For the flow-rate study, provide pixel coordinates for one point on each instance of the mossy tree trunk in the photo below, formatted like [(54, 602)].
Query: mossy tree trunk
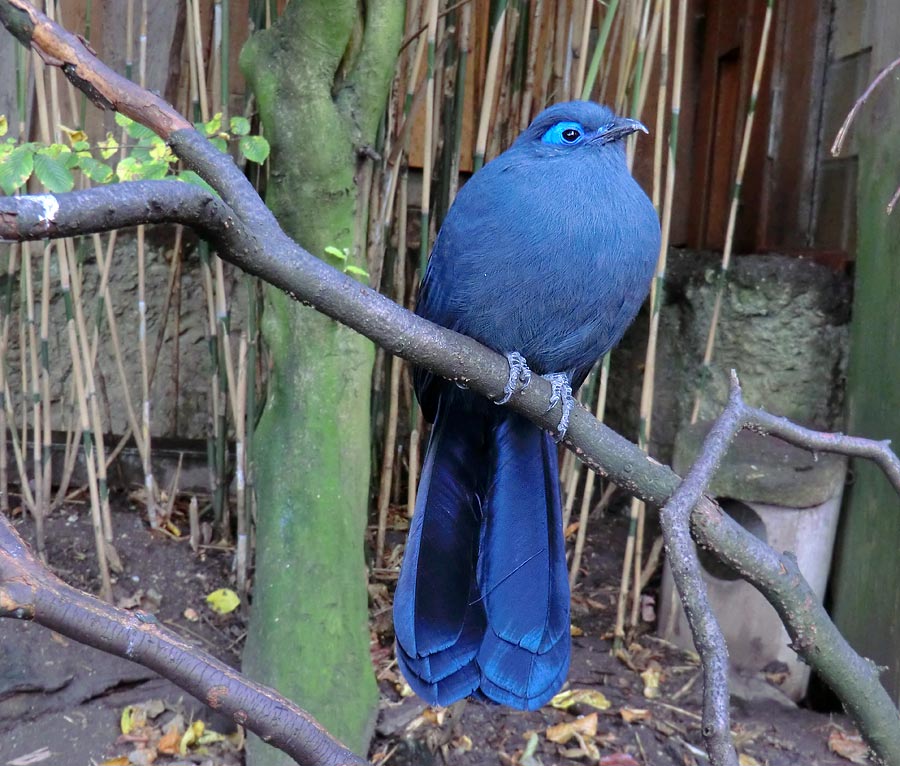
[(321, 77)]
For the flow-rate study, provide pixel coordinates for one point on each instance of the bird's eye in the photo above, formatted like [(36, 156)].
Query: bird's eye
[(564, 134)]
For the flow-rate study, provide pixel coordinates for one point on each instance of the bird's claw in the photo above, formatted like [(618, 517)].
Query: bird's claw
[(519, 376), (562, 395)]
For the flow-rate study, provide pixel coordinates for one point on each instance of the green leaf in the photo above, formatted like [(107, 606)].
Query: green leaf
[(254, 148), (108, 147), (122, 121), (190, 177), (53, 173), (4, 125), (16, 168), (81, 146), (356, 271), (140, 132), (240, 126), (154, 171), (219, 143), (129, 169), (223, 600), (334, 252), (213, 126), (98, 172)]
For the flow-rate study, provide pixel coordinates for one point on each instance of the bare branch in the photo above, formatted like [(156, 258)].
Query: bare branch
[(29, 591), (877, 451), (103, 208), (675, 521), (107, 89), (851, 116), (251, 238)]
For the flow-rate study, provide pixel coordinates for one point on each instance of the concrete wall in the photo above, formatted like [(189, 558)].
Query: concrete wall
[(783, 327)]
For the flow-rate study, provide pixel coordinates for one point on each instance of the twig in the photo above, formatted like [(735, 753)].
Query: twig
[(735, 201), (851, 115), (674, 519)]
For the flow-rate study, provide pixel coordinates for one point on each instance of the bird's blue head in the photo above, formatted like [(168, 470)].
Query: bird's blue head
[(575, 124)]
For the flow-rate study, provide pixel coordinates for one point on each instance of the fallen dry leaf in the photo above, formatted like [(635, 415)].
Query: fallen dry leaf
[(747, 760), (651, 677), (632, 714), (618, 759), (223, 600), (570, 697), (35, 756), (561, 733), (849, 746)]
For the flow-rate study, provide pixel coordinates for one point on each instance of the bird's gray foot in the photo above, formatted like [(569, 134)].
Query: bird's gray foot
[(562, 395), (519, 376)]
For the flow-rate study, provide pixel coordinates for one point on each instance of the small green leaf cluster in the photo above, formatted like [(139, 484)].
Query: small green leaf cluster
[(342, 256), (148, 158)]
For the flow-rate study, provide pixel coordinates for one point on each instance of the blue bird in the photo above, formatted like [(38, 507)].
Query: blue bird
[(547, 252)]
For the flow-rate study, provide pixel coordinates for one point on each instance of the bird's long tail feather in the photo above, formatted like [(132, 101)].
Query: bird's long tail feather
[(482, 603), (524, 655), (438, 616)]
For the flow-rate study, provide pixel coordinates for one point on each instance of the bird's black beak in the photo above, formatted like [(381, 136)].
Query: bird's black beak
[(623, 126)]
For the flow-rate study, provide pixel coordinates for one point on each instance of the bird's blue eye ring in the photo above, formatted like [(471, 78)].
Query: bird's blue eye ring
[(564, 133)]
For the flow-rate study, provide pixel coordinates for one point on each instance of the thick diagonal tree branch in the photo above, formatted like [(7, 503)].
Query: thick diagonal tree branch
[(250, 237), (29, 591)]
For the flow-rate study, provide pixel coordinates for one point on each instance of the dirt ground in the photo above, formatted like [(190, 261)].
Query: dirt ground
[(64, 703)]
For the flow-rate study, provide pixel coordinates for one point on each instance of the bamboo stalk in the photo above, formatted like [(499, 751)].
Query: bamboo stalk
[(18, 453), (242, 549), (464, 41), (226, 393), (735, 201), (225, 70), (6, 309), (599, 412), (560, 43), (199, 66), (129, 39), (87, 439), (583, 46), (90, 389), (657, 286), (46, 479), (428, 151), (105, 305), (533, 43), (397, 371), (638, 508), (40, 500), (490, 88), (599, 49), (142, 46), (503, 120)]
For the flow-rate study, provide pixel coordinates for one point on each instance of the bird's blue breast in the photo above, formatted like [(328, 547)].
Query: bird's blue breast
[(550, 256)]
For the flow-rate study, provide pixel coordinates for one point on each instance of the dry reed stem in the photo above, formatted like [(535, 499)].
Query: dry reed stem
[(735, 200), (534, 41), (583, 46), (490, 88), (90, 457), (40, 499)]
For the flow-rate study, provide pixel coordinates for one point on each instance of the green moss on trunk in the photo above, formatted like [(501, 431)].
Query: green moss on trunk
[(321, 78)]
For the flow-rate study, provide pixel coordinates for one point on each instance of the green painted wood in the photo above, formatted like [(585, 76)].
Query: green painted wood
[(866, 584)]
